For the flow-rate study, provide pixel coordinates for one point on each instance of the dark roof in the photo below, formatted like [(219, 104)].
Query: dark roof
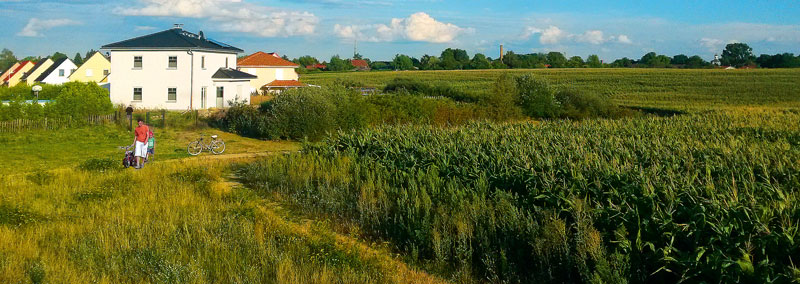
[(51, 69), (172, 38), (228, 73), (39, 64)]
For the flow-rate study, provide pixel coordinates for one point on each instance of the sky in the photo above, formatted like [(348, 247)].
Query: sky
[(382, 28)]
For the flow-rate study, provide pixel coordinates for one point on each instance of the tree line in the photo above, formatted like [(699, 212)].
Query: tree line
[(735, 54)]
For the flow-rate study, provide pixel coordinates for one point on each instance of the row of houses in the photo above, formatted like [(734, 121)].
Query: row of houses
[(56, 72)]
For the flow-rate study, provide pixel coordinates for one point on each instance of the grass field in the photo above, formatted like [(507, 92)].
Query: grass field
[(693, 90)]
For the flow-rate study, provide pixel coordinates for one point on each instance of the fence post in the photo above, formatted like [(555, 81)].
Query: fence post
[(163, 118)]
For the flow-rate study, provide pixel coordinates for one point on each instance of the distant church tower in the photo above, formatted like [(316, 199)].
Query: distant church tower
[(716, 61)]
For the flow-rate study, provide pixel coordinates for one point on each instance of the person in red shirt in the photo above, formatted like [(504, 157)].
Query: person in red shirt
[(140, 141)]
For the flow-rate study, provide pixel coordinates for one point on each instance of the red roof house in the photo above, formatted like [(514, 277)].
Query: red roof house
[(360, 64), (263, 59)]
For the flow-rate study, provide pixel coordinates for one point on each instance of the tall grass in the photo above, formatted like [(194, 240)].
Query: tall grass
[(698, 198), (170, 223)]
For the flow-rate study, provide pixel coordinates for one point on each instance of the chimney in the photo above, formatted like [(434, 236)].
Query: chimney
[(501, 53), (201, 35)]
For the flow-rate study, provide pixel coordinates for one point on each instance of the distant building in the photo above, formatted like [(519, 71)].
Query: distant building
[(37, 70), (58, 73), (360, 64), (318, 66), (96, 69), (15, 76), (176, 70), (269, 68), (716, 61), (278, 86), (8, 72)]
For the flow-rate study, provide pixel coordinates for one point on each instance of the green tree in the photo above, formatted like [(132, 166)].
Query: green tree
[(449, 61), (58, 56), (402, 62), (680, 59), (429, 62), (556, 60), (89, 54), (575, 62), (78, 100), (622, 63), (512, 60), (77, 60), (7, 59), (479, 61), (339, 64), (738, 55), (307, 60), (594, 61), (696, 62)]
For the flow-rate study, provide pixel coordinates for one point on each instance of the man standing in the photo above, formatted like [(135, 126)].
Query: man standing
[(140, 141)]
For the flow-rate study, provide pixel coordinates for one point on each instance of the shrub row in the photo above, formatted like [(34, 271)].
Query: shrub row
[(74, 99)]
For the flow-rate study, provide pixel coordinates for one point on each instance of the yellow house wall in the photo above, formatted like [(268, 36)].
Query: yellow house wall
[(8, 71), (36, 73), (97, 63), (268, 74), (14, 80)]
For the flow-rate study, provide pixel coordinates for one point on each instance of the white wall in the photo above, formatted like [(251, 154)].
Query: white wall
[(55, 78), (231, 90), (155, 77)]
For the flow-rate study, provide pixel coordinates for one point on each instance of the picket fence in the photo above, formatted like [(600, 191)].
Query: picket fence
[(21, 125)]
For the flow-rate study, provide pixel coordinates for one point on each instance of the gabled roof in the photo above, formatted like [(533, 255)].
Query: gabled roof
[(263, 59), (284, 84), (8, 71), (21, 65), (228, 73), (174, 38), (37, 66), (359, 63), (51, 69)]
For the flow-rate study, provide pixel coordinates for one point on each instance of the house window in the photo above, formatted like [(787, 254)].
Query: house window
[(137, 94), (203, 62), (89, 72), (105, 72), (220, 91), (137, 62), (172, 94), (60, 72), (173, 62)]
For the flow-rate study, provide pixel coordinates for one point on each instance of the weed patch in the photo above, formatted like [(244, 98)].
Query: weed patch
[(100, 165), (14, 216)]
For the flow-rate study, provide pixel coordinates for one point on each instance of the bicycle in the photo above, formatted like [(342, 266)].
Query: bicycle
[(215, 146)]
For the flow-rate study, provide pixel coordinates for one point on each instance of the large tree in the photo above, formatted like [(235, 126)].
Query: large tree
[(575, 62), (58, 56), (738, 55), (679, 59), (429, 62), (307, 60), (696, 62), (339, 64), (556, 59), (402, 62), (594, 61), (77, 60), (7, 59), (479, 61)]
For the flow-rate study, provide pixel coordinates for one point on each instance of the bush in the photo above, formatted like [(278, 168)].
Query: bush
[(536, 97), (417, 87), (79, 100)]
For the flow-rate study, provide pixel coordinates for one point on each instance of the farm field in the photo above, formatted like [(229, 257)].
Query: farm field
[(675, 89)]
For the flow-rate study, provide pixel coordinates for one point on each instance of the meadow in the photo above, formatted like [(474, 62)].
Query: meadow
[(675, 89)]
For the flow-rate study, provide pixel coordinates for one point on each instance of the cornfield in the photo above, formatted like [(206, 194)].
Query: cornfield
[(708, 197)]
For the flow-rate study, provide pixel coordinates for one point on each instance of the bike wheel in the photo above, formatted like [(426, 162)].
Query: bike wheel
[(194, 148), (217, 147)]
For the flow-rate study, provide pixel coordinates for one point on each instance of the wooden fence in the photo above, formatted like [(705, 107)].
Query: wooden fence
[(20, 125)]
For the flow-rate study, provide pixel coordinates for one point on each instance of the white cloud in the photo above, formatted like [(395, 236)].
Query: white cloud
[(555, 35), (417, 27), (35, 26), (144, 28), (231, 15)]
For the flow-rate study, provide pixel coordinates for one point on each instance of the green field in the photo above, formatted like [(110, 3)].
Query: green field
[(655, 88)]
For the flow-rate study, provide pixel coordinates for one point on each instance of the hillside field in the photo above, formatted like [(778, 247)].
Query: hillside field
[(674, 89)]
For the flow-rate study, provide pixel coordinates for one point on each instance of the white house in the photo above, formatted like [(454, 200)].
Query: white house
[(58, 73), (175, 70)]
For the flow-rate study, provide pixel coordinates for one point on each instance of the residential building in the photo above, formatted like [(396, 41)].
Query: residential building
[(174, 69), (269, 68), (94, 69), (8, 72), (37, 70), (15, 77), (360, 64), (278, 86), (58, 73)]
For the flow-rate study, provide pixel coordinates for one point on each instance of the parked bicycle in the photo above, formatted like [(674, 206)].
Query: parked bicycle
[(215, 146)]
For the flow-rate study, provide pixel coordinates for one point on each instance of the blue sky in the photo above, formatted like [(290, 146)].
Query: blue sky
[(383, 28)]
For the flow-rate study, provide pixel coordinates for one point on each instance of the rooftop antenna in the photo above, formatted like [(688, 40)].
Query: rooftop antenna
[(177, 26)]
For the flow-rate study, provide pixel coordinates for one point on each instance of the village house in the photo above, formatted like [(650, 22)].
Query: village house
[(175, 70), (8, 72), (37, 70), (58, 73), (94, 69), (360, 64), (16, 76), (274, 74)]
